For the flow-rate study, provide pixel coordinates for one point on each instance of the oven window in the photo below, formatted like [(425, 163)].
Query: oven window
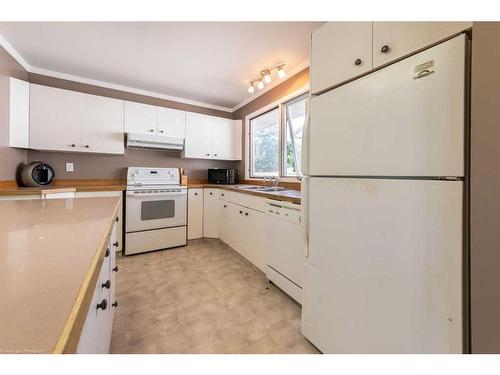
[(154, 210)]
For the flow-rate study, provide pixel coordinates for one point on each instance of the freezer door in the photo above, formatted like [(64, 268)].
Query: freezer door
[(384, 269), (404, 120)]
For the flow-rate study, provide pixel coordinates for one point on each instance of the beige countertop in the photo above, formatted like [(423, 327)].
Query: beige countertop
[(11, 188), (285, 195), (50, 255)]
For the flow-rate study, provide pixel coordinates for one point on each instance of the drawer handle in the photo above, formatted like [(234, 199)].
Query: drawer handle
[(385, 49), (102, 305), (116, 244), (115, 304), (106, 285), (107, 253), (115, 269), (357, 62)]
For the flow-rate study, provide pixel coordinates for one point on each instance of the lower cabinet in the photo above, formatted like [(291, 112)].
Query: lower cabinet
[(211, 213), (95, 337), (195, 213), (244, 231)]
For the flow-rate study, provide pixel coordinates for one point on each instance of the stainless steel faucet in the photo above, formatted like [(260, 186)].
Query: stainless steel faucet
[(275, 181)]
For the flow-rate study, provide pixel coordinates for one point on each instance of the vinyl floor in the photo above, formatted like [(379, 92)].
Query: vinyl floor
[(202, 298)]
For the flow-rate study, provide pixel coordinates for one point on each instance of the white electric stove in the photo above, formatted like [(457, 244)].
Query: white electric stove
[(156, 210)]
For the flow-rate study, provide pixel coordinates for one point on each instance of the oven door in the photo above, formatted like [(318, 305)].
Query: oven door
[(155, 210)]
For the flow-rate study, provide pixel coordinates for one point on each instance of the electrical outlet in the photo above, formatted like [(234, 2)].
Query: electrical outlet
[(69, 167)]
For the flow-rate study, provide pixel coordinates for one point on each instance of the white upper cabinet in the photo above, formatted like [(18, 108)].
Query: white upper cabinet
[(140, 118), (63, 120), (171, 122), (340, 51), (209, 137), (393, 40), (222, 139), (198, 136), (19, 113), (103, 125), (56, 119)]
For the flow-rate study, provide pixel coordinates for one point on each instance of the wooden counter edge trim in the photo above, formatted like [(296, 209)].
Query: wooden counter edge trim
[(72, 329)]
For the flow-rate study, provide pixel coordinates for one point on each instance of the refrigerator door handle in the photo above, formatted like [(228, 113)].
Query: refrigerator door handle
[(304, 215), (304, 157)]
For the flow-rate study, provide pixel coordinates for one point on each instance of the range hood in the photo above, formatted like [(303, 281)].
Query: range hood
[(154, 142)]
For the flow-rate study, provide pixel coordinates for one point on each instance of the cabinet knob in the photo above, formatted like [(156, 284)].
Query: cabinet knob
[(117, 219), (102, 305), (225, 206), (357, 62), (151, 130), (87, 146), (115, 244), (246, 213), (385, 49), (115, 304), (195, 193), (107, 253), (72, 145), (210, 193), (115, 269), (106, 285), (222, 194), (207, 154), (215, 154), (161, 131), (241, 212)]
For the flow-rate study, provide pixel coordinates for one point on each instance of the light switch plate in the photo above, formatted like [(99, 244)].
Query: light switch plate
[(69, 167)]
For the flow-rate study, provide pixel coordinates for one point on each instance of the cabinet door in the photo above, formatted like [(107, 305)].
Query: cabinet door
[(140, 118), (223, 221), (171, 122), (56, 119), (393, 40), (102, 125), (237, 139), (195, 213), (211, 215), (255, 238), (198, 142), (339, 52), (222, 139), (19, 113), (235, 227)]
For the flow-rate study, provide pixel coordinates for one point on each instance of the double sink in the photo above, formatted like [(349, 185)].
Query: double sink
[(262, 188)]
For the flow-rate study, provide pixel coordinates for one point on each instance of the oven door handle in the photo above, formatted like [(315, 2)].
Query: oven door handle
[(152, 195)]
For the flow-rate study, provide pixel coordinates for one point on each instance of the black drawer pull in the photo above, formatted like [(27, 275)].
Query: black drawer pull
[(115, 244), (107, 253), (102, 305), (115, 304), (115, 269), (106, 285)]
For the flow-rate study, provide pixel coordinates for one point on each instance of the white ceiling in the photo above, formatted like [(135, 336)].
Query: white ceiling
[(207, 62)]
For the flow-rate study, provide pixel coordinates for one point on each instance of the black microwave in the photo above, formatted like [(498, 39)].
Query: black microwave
[(224, 176)]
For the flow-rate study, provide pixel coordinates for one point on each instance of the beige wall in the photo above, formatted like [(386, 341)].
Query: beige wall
[(289, 86), (485, 188), (10, 158)]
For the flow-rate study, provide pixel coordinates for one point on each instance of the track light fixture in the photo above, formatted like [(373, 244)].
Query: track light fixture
[(265, 77)]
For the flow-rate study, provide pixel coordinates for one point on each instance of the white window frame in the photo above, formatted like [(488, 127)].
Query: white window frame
[(276, 104)]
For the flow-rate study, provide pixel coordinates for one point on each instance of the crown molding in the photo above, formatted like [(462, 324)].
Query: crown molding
[(70, 77), (128, 89), (4, 43), (273, 84)]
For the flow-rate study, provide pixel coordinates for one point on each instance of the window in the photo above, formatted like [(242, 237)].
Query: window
[(276, 140), (295, 116), (265, 140)]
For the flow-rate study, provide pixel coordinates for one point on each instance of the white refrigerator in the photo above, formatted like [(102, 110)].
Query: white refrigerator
[(383, 208)]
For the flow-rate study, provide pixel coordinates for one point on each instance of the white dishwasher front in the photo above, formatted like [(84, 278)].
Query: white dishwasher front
[(285, 258)]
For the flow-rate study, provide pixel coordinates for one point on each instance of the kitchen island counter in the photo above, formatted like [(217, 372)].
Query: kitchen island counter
[(50, 257)]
